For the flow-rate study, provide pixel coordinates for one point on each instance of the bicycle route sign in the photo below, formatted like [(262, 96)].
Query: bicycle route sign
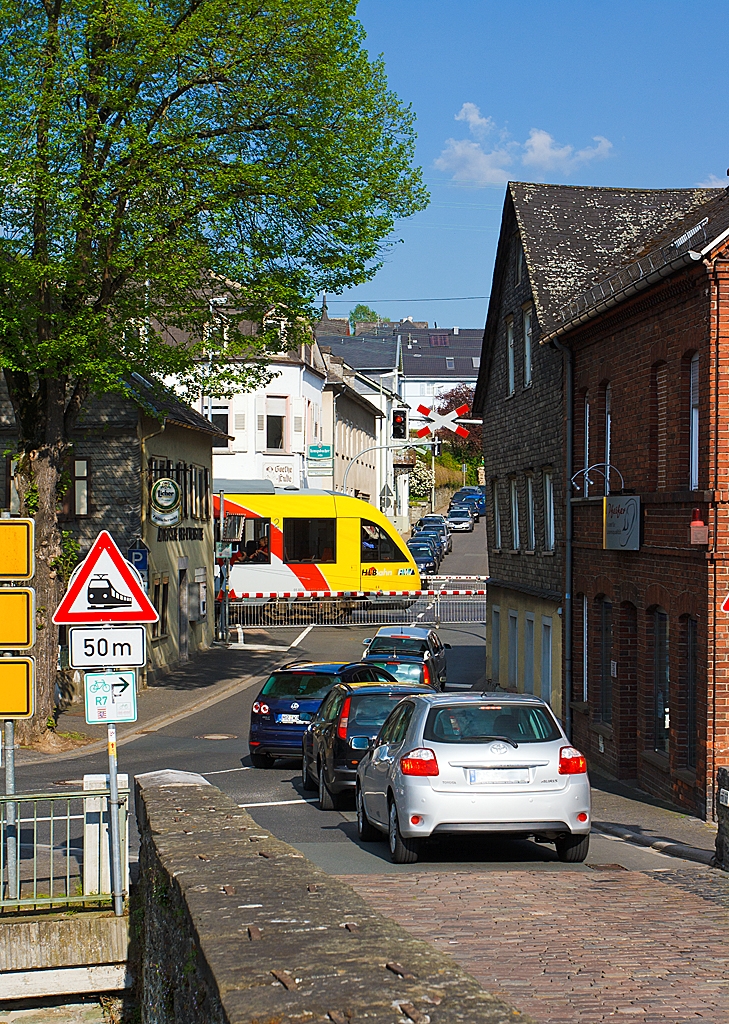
[(110, 697)]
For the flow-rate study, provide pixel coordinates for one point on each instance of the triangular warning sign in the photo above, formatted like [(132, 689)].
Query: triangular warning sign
[(725, 605), (104, 588)]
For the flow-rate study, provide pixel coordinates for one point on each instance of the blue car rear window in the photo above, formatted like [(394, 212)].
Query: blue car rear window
[(298, 684), (369, 711)]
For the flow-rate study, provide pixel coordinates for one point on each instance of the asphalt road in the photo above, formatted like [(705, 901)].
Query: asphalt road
[(214, 743)]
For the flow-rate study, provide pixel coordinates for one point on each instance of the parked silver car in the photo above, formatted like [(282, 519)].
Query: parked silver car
[(479, 763)]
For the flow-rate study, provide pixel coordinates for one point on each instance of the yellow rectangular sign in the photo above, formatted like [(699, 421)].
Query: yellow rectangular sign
[(17, 549), (17, 687), (17, 618)]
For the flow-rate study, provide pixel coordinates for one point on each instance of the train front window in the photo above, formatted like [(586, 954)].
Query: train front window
[(377, 546), (310, 540)]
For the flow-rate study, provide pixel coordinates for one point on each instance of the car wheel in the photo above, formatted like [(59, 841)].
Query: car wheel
[(365, 829), (402, 851), (306, 782), (328, 801), (572, 849), (262, 760)]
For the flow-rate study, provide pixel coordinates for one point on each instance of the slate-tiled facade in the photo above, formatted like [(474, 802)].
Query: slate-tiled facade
[(555, 242)]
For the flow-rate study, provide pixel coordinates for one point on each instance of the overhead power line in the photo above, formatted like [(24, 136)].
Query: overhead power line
[(447, 298)]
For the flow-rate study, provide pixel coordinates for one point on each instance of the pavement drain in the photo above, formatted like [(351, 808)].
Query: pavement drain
[(217, 736)]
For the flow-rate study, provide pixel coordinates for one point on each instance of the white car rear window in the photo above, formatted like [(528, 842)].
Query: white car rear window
[(479, 723)]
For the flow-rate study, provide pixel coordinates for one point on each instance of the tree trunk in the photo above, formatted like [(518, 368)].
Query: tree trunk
[(38, 479)]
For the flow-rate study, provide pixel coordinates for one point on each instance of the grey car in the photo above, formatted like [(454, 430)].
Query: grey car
[(484, 763)]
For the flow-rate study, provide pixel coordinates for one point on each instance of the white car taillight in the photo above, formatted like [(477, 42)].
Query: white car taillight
[(421, 761), (572, 762)]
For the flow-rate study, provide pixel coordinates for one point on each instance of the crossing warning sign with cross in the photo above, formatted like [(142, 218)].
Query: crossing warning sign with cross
[(444, 422)]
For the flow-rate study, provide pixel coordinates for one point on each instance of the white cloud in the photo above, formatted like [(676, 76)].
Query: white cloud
[(477, 125), (713, 182), (467, 160)]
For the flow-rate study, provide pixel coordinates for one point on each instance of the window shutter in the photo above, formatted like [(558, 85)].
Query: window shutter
[(260, 422), (241, 433), (297, 435)]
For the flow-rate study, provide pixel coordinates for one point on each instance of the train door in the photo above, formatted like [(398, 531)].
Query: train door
[(184, 620)]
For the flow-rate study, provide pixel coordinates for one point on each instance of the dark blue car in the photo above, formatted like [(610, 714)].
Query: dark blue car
[(276, 725)]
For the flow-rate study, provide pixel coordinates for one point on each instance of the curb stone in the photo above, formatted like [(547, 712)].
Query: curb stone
[(661, 845)]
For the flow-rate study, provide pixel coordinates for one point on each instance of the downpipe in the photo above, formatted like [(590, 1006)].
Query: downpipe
[(569, 388)]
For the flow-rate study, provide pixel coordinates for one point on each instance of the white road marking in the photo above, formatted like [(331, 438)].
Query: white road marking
[(225, 771), (301, 636), (281, 803)]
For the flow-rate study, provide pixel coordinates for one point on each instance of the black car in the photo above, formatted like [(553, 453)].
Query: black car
[(340, 733), (288, 699)]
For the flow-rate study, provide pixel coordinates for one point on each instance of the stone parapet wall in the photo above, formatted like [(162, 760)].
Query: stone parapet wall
[(236, 927)]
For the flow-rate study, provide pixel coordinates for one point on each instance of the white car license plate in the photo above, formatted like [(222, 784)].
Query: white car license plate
[(498, 776), (288, 719)]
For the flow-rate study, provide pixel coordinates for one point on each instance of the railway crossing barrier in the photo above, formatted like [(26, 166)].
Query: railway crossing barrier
[(429, 607)]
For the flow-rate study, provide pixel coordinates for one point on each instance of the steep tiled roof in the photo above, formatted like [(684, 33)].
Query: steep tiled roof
[(574, 236), (164, 405), (682, 243), (363, 352)]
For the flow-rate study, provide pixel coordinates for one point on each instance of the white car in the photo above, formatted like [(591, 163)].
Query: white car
[(473, 763)]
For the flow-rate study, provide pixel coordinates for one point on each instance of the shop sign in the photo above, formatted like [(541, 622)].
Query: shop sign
[(621, 522), (279, 473), (166, 501), (320, 451), (181, 533)]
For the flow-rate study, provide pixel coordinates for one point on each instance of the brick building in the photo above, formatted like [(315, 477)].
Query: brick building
[(650, 651), (555, 241)]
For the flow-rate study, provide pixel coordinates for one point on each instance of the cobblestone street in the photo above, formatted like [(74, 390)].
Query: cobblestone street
[(577, 948)]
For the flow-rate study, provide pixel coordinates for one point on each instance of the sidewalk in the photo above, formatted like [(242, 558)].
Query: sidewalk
[(622, 810), (210, 677)]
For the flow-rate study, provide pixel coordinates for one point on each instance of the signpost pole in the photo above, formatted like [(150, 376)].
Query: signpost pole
[(224, 576), (114, 805), (10, 824)]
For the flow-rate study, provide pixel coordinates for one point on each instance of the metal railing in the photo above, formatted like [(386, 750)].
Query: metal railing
[(54, 848), (424, 609)]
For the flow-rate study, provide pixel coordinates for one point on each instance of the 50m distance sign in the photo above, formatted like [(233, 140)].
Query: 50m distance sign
[(107, 647)]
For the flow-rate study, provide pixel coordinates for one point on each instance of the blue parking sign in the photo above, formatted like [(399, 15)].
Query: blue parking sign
[(139, 558)]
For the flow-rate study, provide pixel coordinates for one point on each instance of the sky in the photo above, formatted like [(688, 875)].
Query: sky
[(624, 93)]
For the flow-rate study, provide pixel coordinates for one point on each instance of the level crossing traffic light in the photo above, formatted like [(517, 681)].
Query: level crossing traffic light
[(399, 424)]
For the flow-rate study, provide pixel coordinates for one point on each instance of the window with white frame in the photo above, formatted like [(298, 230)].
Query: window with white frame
[(514, 496), (694, 425), (531, 532), (81, 487), (548, 511), (219, 417), (527, 347), (275, 424), (608, 434), (513, 648), (529, 653), (546, 683), (586, 460), (497, 512), (510, 364)]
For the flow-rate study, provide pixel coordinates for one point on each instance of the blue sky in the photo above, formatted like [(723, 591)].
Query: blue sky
[(594, 93)]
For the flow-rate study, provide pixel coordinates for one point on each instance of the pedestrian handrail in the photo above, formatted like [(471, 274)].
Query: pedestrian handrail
[(54, 848)]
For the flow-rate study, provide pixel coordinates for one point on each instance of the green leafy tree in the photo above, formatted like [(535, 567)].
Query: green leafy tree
[(366, 315), (160, 162)]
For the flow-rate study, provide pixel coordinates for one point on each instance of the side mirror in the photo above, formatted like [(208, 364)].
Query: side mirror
[(306, 716), (367, 640), (360, 742), (447, 646)]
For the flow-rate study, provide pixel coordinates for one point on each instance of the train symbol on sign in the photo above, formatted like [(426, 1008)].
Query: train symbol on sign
[(101, 594)]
